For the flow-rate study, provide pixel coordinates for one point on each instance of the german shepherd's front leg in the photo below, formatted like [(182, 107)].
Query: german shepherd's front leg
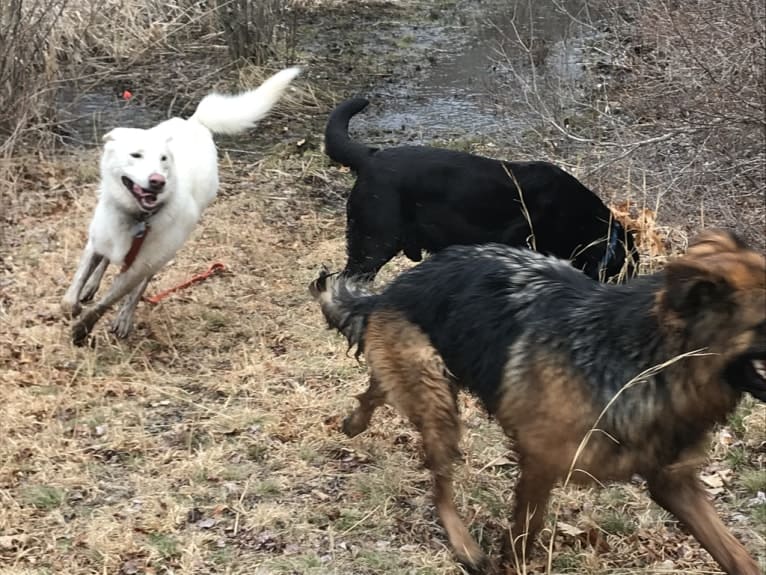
[(681, 493), (533, 491), (359, 419)]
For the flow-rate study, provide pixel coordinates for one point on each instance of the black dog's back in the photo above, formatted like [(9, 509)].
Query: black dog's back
[(418, 198), (460, 198)]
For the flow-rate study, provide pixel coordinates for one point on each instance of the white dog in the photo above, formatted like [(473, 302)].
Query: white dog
[(155, 184)]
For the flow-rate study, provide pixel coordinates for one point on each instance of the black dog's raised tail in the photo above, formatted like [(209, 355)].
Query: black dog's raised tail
[(337, 143), (345, 304)]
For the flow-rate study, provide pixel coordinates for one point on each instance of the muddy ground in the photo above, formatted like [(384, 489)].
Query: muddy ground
[(208, 441)]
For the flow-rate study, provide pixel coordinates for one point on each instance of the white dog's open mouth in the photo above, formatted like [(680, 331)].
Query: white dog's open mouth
[(147, 199)]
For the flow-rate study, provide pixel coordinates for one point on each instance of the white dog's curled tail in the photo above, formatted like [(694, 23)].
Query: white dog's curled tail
[(230, 114)]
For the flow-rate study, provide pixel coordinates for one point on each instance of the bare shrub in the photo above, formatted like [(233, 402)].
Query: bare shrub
[(670, 106), (251, 27), (28, 64), (47, 46)]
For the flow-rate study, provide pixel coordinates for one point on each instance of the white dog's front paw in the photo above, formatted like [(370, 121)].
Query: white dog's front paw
[(69, 308), (89, 291), (122, 325), (80, 332)]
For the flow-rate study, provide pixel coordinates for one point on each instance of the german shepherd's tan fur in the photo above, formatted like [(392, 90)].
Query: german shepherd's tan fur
[(549, 353)]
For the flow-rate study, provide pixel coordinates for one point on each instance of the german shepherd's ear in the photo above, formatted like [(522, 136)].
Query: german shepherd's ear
[(716, 241), (692, 287)]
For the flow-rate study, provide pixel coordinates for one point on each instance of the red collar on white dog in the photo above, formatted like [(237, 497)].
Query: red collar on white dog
[(138, 232)]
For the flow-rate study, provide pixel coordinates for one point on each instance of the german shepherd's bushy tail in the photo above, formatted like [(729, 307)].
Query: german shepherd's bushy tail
[(337, 143), (346, 305)]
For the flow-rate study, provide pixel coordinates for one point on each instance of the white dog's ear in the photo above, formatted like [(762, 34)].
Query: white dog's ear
[(112, 134)]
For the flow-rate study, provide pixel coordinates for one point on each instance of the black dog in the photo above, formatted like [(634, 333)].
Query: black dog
[(416, 198)]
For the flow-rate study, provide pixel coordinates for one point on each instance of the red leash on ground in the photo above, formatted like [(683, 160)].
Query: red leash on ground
[(217, 267)]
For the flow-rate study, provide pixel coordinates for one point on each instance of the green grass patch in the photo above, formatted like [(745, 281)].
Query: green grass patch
[(737, 457), (759, 518), (266, 489), (616, 522), (43, 496), (166, 545), (753, 480), (567, 562)]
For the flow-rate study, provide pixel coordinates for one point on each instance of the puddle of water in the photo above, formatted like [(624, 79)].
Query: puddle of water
[(466, 92), (459, 87), (86, 116)]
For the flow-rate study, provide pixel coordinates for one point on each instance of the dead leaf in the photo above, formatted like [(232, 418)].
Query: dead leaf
[(206, 523), (666, 565), (712, 480), (726, 437), (10, 542), (570, 530), (130, 567)]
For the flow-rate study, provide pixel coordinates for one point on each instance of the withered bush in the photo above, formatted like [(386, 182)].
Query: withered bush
[(28, 64), (252, 27), (669, 107), (48, 44)]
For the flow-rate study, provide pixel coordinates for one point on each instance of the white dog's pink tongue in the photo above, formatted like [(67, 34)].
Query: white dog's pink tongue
[(138, 190)]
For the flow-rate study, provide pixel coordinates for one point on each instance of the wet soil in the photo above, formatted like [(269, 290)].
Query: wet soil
[(429, 68)]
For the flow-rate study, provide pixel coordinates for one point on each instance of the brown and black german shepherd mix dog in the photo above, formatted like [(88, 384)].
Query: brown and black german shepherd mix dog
[(549, 353)]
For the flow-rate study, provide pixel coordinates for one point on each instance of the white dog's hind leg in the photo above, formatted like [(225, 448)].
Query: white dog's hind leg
[(123, 323), (89, 261), (123, 284), (94, 281)]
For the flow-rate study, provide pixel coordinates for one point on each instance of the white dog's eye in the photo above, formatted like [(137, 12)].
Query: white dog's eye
[(135, 155), (163, 158)]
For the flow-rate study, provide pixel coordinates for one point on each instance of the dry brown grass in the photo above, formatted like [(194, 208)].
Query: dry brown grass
[(208, 442)]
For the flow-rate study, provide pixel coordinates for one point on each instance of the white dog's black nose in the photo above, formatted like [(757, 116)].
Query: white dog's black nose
[(156, 182)]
